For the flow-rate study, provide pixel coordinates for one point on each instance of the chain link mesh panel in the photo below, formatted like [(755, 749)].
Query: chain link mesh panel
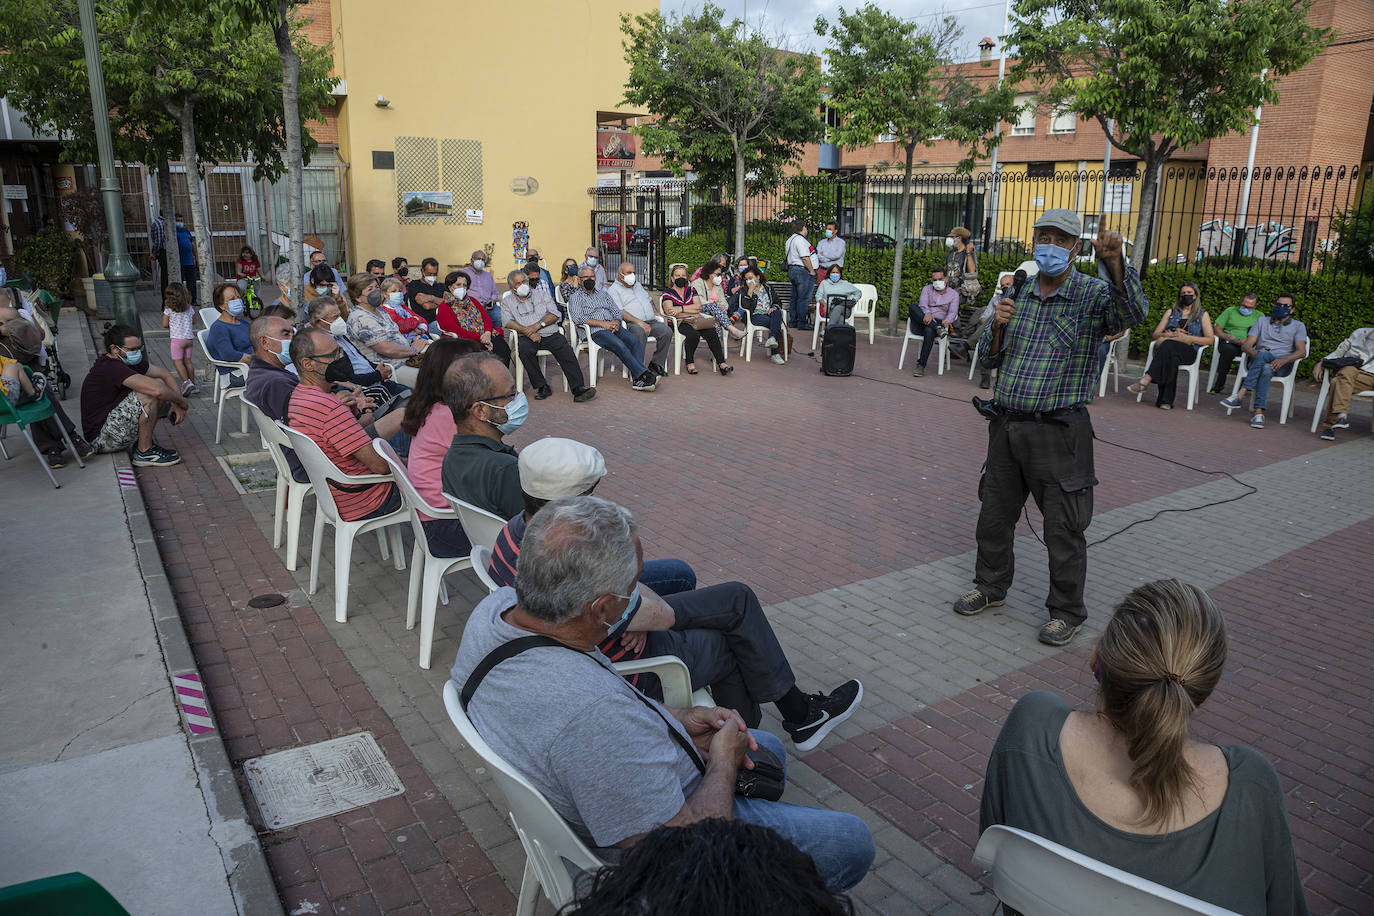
[(417, 169), (463, 177), (421, 167)]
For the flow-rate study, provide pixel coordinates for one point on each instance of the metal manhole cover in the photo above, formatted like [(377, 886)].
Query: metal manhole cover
[(320, 780), (265, 601)]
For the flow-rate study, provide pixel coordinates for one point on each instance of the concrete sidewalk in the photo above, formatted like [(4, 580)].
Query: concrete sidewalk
[(99, 770)]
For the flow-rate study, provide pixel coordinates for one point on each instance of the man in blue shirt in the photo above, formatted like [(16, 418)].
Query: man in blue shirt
[(186, 246), (1276, 344)]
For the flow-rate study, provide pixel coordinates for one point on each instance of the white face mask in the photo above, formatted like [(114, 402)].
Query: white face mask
[(478, 263), (338, 327), (431, 278), (628, 279), (591, 262), (939, 286), (949, 243), (522, 290), (717, 279), (460, 293)]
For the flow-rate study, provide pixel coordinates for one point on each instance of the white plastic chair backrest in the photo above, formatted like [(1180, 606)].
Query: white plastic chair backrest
[(1035, 875), (868, 299), (318, 468), (202, 337), (546, 837), (558, 294), (411, 495), (208, 316), (481, 527), (273, 436), (480, 558)]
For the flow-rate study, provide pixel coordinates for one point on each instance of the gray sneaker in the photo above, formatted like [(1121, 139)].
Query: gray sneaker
[(1059, 632), (1341, 422), (157, 456), (975, 602), (1257, 421), (1231, 403), (1329, 434)]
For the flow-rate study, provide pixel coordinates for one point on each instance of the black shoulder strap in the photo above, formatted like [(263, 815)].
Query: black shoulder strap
[(516, 646)]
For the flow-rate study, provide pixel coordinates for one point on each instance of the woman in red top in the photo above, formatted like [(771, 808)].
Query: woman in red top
[(411, 325), (249, 268), (464, 317)]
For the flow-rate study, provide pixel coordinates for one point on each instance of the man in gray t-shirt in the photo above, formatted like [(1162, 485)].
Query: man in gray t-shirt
[(612, 762), (1276, 344)]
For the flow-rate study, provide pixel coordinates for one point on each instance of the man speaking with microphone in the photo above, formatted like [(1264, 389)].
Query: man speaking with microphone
[(1040, 440)]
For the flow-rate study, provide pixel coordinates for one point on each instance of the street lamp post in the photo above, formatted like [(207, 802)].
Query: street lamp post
[(119, 270)]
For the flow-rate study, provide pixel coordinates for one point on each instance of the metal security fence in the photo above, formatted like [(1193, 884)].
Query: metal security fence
[(1290, 218)]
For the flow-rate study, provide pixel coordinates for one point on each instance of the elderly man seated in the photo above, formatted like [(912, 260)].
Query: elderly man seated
[(720, 632), (612, 762), (1351, 366), (479, 467), (592, 306), (640, 317), (532, 314), (314, 412)]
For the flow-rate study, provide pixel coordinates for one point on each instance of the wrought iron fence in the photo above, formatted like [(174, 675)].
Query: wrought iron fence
[(1299, 220)]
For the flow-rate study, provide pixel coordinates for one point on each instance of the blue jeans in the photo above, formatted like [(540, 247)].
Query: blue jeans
[(668, 577), (1258, 375), (624, 346), (803, 285), (840, 844)]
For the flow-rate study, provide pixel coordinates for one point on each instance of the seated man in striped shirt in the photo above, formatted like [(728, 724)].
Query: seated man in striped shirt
[(330, 424), (720, 632)]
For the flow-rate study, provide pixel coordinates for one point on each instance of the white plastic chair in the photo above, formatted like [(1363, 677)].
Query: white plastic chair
[(1322, 396), (1283, 381), (320, 471), (513, 341), (547, 839), (1115, 360), (291, 493), (1193, 370), (1036, 876), (762, 331), (222, 390), (481, 527), (425, 567), (941, 350), (480, 558), (585, 344), (208, 316), (866, 308), (1212, 370)]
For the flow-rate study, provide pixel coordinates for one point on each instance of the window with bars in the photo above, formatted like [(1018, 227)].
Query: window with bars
[(427, 164)]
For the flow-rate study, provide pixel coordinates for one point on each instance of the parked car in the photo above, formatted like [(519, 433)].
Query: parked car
[(608, 237), (871, 240), (639, 241)]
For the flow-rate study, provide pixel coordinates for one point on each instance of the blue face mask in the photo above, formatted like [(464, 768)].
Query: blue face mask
[(1244, 310), (516, 412), (395, 299), (285, 351), (1051, 259), (133, 357), (630, 607), (1280, 312), (234, 307)]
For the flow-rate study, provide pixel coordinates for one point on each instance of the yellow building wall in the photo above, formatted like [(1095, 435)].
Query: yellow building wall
[(526, 82)]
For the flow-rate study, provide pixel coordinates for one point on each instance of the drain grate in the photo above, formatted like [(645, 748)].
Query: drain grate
[(320, 780)]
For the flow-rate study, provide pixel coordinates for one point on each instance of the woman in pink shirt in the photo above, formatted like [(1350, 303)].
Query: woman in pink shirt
[(430, 424)]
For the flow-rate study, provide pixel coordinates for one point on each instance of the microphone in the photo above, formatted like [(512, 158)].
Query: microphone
[(994, 359), (1018, 280)]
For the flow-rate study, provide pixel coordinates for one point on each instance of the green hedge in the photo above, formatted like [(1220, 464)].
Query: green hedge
[(1330, 306)]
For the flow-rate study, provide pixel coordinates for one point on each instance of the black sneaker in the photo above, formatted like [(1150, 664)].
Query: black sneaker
[(823, 713), (1342, 421), (645, 382), (975, 602), (658, 369), (55, 460), (1059, 632), (1329, 434), (157, 456), (84, 449), (919, 372), (586, 394), (543, 393)]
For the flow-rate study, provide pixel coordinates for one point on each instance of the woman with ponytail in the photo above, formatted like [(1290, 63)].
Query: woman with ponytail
[(1128, 785)]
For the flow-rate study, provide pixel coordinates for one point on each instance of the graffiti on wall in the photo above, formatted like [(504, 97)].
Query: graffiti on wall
[(1267, 240)]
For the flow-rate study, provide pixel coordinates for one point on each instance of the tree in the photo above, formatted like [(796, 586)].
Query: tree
[(724, 102), (1169, 73), (889, 75)]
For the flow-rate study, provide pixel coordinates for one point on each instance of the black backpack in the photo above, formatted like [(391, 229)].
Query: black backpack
[(837, 350)]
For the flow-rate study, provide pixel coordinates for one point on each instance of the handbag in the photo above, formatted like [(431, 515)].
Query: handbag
[(969, 288), (766, 780), (700, 322), (1336, 364)]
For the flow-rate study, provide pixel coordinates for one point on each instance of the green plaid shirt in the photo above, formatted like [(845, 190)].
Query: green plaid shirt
[(1049, 350)]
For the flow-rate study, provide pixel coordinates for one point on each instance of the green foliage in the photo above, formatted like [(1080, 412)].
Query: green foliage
[(1355, 228), (48, 258), (724, 102), (1330, 305), (812, 199), (234, 77), (706, 217), (1170, 73)]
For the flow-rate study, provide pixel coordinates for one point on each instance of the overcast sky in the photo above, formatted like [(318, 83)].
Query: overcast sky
[(795, 19)]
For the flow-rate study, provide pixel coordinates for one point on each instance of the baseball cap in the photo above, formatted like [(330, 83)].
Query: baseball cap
[(552, 468), (1059, 218)]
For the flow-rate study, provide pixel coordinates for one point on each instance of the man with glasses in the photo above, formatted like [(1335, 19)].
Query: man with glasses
[(314, 412), (480, 468), (317, 259), (592, 306), (532, 314)]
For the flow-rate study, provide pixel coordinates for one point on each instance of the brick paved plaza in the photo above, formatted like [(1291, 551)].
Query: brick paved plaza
[(848, 504)]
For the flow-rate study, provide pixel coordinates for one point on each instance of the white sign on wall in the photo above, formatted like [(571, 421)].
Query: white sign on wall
[(474, 216), (1118, 198), (16, 192)]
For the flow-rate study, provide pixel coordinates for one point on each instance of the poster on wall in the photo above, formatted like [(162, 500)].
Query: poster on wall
[(1118, 197), (615, 148), (519, 240), (427, 203)]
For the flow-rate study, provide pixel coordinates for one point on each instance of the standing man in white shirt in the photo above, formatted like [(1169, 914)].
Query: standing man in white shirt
[(830, 249), (801, 271), (637, 308)]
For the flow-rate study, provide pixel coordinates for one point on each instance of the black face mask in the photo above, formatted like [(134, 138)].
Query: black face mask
[(1186, 299), (402, 271), (589, 284), (680, 282), (341, 370)]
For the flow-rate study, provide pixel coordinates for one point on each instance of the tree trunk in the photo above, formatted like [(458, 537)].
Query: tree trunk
[(1148, 183), (167, 209), (894, 303), (739, 201), (295, 167), (200, 211)]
